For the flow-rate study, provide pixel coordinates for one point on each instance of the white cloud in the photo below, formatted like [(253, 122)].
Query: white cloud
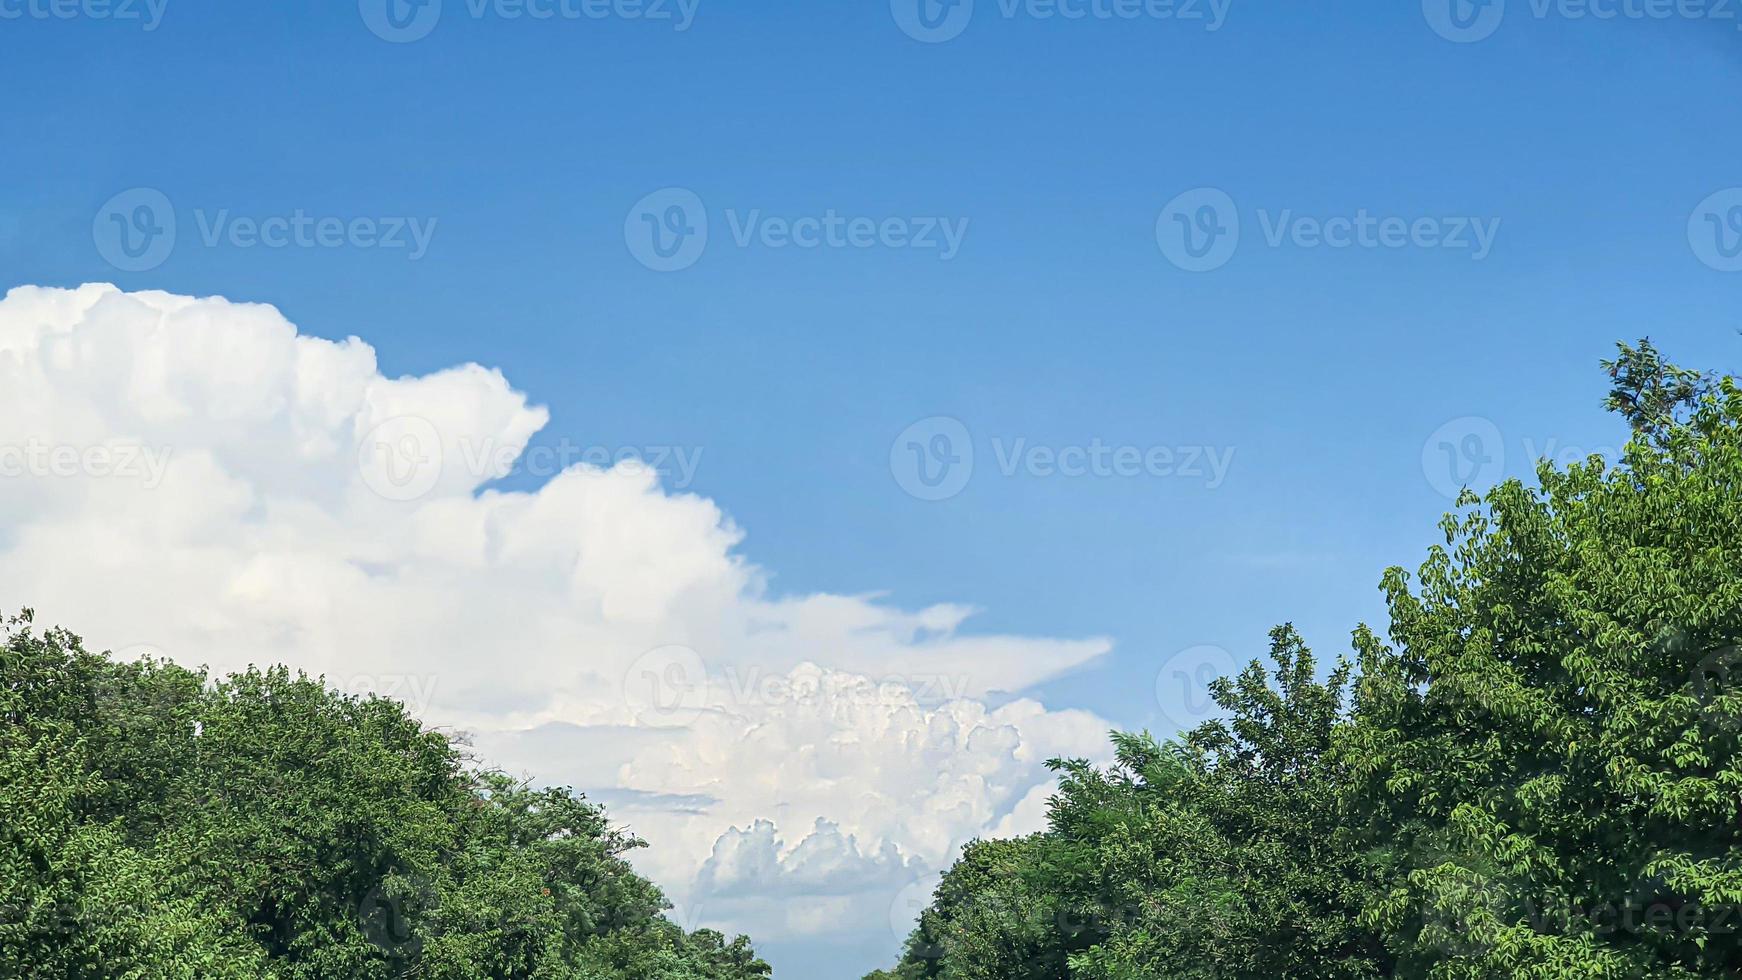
[(285, 502), (826, 862)]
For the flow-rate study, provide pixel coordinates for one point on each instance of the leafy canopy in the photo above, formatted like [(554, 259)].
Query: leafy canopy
[(1536, 773), (157, 825)]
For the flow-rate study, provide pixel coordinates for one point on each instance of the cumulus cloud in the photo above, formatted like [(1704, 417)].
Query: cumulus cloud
[(193, 477)]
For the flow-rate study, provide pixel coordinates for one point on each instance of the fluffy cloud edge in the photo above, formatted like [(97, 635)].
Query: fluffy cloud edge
[(820, 746)]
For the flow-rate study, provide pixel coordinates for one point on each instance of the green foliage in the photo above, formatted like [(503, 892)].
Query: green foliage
[(1537, 774), (1548, 744), (1217, 857), (997, 914), (156, 825), (1234, 862), (1653, 395)]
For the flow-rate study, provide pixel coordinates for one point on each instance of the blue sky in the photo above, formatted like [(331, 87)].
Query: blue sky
[(1585, 145)]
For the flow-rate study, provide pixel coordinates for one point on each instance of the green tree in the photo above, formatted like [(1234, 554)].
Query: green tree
[(1003, 911), (1538, 774), (1226, 855), (78, 897), (154, 825), (1222, 856), (1547, 746)]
